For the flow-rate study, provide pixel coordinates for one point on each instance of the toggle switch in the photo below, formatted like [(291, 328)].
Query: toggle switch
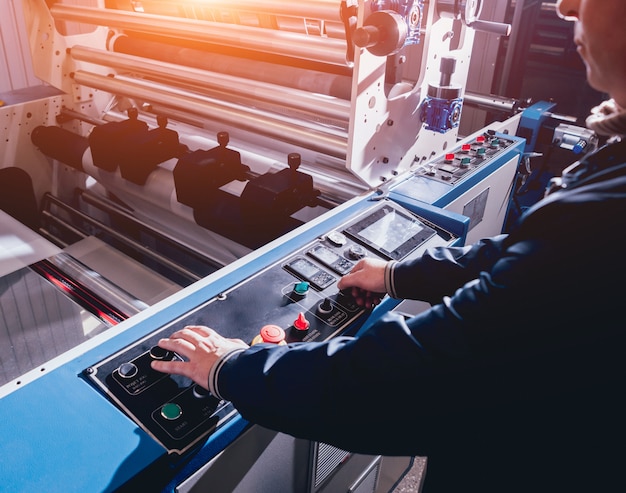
[(325, 306), (301, 324)]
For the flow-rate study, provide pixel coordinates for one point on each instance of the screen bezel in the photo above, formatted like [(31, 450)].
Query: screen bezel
[(354, 231)]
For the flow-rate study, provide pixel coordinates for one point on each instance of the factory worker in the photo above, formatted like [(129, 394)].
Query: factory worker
[(514, 379)]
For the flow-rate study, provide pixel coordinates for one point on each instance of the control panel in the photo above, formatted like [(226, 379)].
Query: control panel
[(465, 159), (293, 300)]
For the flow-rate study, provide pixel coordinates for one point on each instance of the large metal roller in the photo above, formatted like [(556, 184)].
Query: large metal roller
[(314, 48)]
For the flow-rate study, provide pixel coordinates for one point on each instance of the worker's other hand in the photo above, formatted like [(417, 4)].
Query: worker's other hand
[(201, 346), (365, 282)]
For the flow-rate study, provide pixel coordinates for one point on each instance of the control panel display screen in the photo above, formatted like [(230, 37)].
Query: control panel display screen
[(308, 271), (326, 255), (391, 232), (304, 268), (331, 259)]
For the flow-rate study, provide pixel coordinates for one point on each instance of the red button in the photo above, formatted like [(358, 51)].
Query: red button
[(301, 322), (450, 157), (272, 333)]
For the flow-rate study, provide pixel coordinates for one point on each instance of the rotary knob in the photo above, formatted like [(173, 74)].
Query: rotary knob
[(356, 252)]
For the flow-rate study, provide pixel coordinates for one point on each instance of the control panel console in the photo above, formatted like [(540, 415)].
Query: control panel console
[(298, 296), (465, 159)]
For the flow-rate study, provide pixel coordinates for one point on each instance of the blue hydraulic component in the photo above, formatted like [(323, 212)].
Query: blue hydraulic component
[(412, 12), (441, 109), (532, 120)]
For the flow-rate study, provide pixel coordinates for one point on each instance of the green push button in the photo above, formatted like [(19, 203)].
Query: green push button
[(301, 288), (171, 411)]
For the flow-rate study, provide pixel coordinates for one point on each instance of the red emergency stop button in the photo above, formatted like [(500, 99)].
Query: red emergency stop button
[(272, 334)]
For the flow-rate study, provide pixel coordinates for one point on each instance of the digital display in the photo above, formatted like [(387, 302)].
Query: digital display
[(390, 231), (326, 255), (331, 259), (305, 268), (308, 271)]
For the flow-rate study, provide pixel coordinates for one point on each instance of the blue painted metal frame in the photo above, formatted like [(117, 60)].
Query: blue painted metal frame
[(441, 194), (60, 434), (532, 120)]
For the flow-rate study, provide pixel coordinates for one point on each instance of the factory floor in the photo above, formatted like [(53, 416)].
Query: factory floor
[(412, 482)]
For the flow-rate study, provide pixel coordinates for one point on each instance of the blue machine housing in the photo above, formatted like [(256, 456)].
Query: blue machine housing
[(61, 434), (532, 120), (434, 184), (475, 179)]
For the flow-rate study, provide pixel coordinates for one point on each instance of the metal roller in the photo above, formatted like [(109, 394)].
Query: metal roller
[(315, 48), (226, 86), (316, 139), (306, 79), (317, 9), (491, 102)]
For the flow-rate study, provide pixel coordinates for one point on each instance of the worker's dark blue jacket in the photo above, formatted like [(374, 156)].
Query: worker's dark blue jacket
[(514, 380)]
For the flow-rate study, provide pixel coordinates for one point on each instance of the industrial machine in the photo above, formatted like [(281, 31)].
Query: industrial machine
[(222, 163)]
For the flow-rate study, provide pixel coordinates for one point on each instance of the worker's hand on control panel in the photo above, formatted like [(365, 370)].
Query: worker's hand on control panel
[(201, 346), (366, 282)]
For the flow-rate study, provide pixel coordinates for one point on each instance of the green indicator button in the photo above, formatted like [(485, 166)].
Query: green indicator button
[(301, 288), (171, 411)]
